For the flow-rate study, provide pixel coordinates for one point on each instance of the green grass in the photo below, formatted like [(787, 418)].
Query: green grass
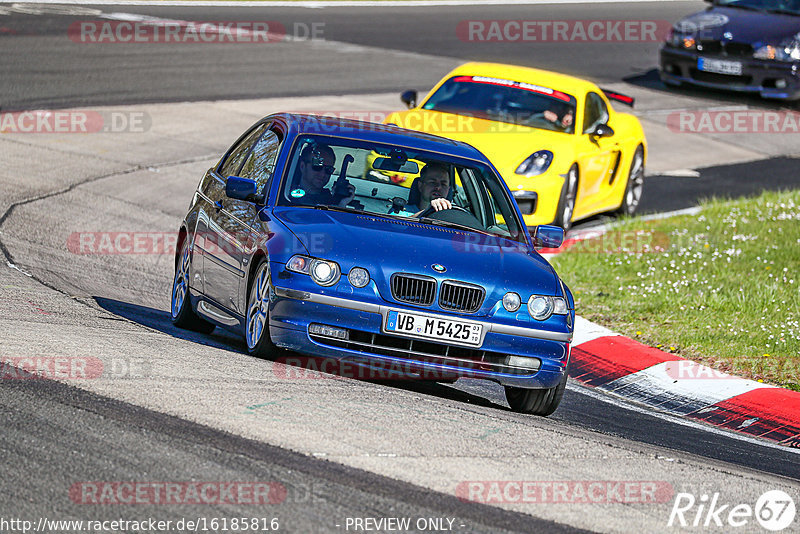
[(721, 287)]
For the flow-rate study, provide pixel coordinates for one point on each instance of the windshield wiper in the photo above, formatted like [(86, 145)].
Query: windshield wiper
[(448, 224), (335, 208)]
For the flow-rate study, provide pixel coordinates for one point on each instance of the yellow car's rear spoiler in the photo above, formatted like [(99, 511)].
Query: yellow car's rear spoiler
[(618, 97)]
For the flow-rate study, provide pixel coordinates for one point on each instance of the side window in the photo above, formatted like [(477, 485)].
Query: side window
[(596, 113), (260, 164), (236, 155)]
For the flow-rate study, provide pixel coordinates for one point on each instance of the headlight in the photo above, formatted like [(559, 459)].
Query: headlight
[(358, 277), (788, 50), (299, 264), (511, 301), (536, 163), (542, 307), (323, 272), (681, 39)]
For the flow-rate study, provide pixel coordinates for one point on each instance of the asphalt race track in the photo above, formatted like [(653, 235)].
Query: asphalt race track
[(188, 408)]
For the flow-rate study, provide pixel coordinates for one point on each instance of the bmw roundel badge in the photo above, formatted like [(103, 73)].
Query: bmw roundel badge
[(438, 268)]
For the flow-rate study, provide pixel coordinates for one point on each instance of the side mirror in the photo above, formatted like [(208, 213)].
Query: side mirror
[(548, 236), (602, 130), (242, 189), (409, 98)]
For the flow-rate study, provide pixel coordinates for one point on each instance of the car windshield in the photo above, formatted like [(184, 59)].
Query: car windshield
[(791, 7), (361, 176), (505, 101)]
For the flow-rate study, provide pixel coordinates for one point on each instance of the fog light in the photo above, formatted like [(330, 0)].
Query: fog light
[(328, 331), (523, 362), (358, 277), (511, 301), (780, 83)]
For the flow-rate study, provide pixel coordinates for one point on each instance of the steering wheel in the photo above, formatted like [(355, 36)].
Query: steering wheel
[(431, 209)]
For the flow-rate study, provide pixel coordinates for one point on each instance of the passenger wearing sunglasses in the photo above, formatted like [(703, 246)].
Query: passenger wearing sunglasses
[(315, 168)]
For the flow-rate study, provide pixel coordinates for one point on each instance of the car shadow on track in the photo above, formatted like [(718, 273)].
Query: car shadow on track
[(160, 321)]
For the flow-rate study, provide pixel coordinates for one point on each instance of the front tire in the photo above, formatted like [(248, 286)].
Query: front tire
[(182, 314), (566, 204), (635, 184), (259, 343), (541, 402)]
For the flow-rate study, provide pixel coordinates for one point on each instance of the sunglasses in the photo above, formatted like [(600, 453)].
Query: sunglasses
[(317, 167)]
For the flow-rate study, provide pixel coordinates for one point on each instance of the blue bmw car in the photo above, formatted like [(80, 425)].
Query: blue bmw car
[(295, 241)]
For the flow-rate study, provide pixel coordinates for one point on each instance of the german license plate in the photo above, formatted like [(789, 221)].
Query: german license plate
[(434, 328), (719, 66)]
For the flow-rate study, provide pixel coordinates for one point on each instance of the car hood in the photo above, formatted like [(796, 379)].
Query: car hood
[(388, 246), (742, 26), (506, 145)]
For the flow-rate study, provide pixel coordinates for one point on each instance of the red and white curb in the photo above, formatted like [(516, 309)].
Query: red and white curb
[(624, 367), (619, 365)]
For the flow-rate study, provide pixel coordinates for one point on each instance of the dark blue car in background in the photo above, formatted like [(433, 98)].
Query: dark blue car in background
[(750, 46), (348, 273)]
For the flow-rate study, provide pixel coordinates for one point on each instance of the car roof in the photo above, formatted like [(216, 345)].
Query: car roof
[(553, 80), (299, 124)]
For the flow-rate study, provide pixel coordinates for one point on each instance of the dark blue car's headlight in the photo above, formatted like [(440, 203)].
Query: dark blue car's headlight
[(541, 307), (680, 39), (358, 277), (511, 301), (788, 50), (323, 272)]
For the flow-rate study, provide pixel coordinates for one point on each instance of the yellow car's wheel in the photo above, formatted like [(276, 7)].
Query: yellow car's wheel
[(566, 205), (635, 186)]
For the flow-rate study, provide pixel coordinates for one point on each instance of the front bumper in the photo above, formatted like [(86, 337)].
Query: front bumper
[(546, 191), (292, 311), (758, 76)]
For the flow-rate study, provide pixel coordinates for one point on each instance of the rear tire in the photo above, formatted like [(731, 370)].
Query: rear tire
[(566, 204), (182, 314), (635, 184), (259, 343), (541, 402)]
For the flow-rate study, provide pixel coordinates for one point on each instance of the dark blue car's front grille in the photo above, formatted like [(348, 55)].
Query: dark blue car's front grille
[(460, 296), (413, 289), (725, 48)]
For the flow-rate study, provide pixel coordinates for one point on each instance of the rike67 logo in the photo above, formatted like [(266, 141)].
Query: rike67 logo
[(774, 511)]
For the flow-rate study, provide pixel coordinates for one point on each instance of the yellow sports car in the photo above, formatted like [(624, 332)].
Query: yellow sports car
[(564, 152)]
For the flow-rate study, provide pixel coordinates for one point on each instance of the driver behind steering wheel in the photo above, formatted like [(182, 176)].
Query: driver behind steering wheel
[(431, 190)]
